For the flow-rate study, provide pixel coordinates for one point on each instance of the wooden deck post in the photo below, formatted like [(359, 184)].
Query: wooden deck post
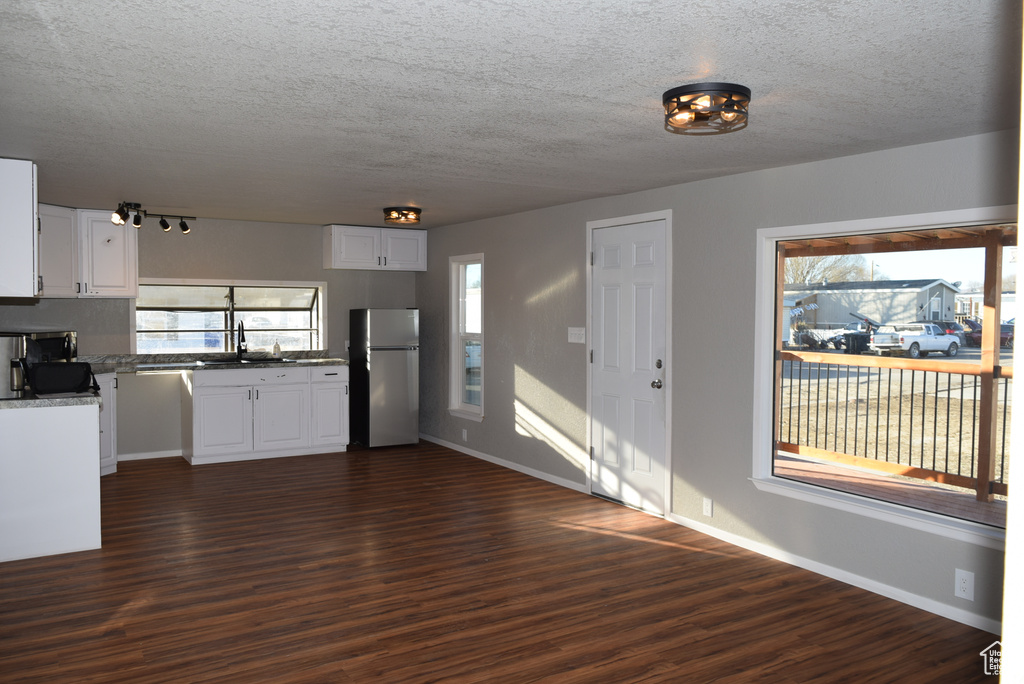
[(990, 337), (780, 320)]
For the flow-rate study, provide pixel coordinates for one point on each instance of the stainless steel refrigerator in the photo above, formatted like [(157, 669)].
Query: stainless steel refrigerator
[(384, 351)]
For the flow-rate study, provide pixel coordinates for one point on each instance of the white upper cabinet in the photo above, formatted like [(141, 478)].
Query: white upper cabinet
[(109, 256), (362, 247), (18, 233), (58, 252)]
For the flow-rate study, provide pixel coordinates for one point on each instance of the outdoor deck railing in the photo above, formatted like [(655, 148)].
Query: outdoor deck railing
[(922, 422)]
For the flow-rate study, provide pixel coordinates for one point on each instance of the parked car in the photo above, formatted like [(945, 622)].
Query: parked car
[(970, 327), (952, 328), (913, 339), (1005, 335)]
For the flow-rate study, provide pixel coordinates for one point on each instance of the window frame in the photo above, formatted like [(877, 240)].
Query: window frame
[(321, 296), (458, 336), (763, 477)]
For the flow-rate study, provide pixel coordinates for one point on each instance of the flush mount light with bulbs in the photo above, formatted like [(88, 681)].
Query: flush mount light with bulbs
[(126, 209), (706, 108), (403, 215)]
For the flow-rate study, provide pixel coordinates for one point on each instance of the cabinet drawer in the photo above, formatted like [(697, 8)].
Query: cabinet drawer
[(235, 377), (328, 374)]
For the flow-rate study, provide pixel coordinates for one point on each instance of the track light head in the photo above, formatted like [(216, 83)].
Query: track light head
[(137, 220), (184, 227), (164, 224), (120, 215)]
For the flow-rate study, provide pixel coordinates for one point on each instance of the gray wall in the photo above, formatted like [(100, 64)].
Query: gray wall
[(535, 282)]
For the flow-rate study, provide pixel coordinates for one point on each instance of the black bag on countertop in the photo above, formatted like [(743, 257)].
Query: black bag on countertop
[(61, 377)]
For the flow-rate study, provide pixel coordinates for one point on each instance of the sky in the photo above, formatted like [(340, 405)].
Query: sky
[(952, 265)]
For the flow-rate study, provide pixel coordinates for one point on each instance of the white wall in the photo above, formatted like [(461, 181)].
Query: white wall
[(535, 288)]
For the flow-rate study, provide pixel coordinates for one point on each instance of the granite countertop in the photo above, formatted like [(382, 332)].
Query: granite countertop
[(133, 363), (47, 400)]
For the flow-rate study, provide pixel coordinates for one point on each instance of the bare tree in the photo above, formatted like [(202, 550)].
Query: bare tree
[(836, 268)]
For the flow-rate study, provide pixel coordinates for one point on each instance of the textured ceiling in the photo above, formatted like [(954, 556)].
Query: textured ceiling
[(320, 111)]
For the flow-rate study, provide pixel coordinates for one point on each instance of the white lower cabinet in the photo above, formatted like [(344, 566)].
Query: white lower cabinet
[(280, 417), (329, 394), (239, 414), (108, 422), (222, 420)]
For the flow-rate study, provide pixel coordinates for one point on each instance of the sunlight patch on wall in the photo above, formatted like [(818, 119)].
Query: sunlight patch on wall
[(559, 287), (542, 413), (529, 424)]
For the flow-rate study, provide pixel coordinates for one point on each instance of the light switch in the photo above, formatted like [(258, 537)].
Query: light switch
[(578, 335)]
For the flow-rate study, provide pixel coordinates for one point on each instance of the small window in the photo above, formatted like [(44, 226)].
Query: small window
[(467, 336), (191, 318)]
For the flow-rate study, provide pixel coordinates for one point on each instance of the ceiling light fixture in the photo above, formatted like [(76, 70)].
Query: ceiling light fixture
[(406, 215), (706, 108), (126, 209)]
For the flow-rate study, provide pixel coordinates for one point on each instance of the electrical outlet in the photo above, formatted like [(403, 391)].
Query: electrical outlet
[(709, 507), (964, 585), (465, 434)]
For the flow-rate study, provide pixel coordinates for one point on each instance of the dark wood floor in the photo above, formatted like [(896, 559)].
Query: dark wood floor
[(420, 564)]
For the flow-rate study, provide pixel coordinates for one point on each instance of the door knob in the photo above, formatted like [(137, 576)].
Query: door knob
[(656, 384)]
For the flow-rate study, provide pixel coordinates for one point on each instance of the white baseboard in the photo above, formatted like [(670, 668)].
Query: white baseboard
[(560, 481), (144, 455), (932, 606)]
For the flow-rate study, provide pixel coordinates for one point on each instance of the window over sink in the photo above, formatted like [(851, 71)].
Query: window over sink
[(194, 317)]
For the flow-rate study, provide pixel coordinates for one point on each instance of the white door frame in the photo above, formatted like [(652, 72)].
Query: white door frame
[(665, 215)]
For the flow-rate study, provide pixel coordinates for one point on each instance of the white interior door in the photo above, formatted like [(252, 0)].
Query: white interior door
[(628, 377)]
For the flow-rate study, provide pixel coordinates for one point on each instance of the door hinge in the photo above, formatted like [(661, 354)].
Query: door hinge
[(591, 356), (591, 453), (591, 258)]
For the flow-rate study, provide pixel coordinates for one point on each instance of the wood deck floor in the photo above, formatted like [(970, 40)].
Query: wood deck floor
[(420, 564), (926, 496)]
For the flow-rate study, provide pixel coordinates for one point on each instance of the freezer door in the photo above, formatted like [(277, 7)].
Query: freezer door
[(394, 397), (393, 327)]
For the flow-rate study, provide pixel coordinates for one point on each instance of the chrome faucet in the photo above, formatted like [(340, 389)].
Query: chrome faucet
[(240, 346)]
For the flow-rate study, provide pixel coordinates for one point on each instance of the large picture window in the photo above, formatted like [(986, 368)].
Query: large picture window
[(197, 317), (849, 410), (467, 336)]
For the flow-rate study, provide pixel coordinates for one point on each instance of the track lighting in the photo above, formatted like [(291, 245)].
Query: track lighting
[(125, 209)]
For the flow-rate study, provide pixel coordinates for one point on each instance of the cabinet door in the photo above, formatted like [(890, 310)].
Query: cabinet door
[(109, 256), (330, 414), (281, 417), (222, 420), (18, 233), (58, 252), (108, 422), (404, 250), (354, 247)]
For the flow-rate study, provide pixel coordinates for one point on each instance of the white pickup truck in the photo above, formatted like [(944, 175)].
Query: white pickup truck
[(913, 339)]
